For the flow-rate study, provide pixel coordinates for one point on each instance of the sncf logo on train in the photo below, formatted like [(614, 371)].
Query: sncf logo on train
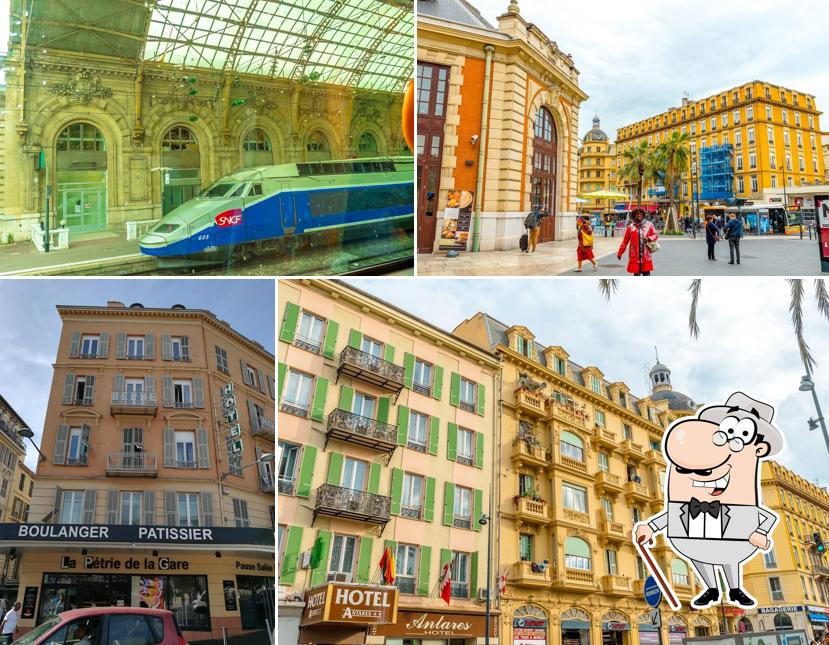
[(229, 218)]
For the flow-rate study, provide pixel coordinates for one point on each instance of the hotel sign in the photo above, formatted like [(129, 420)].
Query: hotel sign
[(338, 602), (117, 533), (422, 624)]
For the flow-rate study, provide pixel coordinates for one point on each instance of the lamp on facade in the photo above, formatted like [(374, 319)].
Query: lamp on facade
[(485, 520), (28, 434), (268, 456), (808, 385)]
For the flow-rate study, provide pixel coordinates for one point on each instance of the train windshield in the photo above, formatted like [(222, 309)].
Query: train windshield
[(164, 227), (219, 189)]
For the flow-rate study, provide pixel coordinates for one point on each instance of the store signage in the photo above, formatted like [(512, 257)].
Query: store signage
[(116, 533), (338, 602), (29, 603), (420, 624), (254, 566), (676, 629), (530, 623), (615, 626), (821, 610), (94, 562), (733, 611), (229, 218), (529, 630), (779, 608), (822, 210)]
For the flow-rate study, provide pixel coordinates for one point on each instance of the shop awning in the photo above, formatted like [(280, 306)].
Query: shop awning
[(818, 618)]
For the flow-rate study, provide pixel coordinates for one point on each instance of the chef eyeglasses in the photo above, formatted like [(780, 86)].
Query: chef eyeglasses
[(737, 433)]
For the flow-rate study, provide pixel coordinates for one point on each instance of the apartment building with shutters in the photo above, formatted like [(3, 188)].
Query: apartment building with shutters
[(386, 436), (144, 495)]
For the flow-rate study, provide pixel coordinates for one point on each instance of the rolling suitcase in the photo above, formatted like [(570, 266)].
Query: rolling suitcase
[(524, 243)]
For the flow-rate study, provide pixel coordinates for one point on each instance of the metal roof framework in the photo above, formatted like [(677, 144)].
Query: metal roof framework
[(362, 44)]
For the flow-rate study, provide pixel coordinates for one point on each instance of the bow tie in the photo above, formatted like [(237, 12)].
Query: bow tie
[(696, 507)]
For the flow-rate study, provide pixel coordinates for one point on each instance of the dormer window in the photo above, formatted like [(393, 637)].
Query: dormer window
[(623, 399), (559, 365), (595, 385)]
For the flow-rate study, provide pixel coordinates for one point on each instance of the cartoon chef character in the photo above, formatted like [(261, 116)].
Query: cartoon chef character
[(713, 515)]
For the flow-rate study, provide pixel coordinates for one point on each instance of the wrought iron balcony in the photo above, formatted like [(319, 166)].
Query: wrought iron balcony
[(371, 369), (265, 428), (336, 501), (363, 431), (266, 483), (312, 345), (569, 412), (132, 464), (286, 486), (133, 403), (296, 408)]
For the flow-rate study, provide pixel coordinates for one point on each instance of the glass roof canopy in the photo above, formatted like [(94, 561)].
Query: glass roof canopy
[(366, 44)]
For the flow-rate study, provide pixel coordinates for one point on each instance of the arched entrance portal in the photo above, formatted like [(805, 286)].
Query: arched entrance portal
[(181, 163), (317, 147), (366, 146), (744, 625), (543, 178), (81, 164), (529, 624), (257, 149)]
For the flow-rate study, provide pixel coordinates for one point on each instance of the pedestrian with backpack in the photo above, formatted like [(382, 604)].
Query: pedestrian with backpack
[(532, 223), (733, 233), (585, 248)]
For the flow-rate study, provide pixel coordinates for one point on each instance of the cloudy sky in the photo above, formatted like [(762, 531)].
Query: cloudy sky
[(30, 328), (638, 58), (745, 340)]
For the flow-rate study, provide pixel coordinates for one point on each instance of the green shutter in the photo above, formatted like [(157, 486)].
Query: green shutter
[(280, 379), (448, 503), (520, 344), (437, 386), (423, 587), (402, 425), (290, 559), (374, 478), (473, 575), (364, 562), (318, 404), (306, 471), (388, 353), (289, 323), (434, 435), (335, 468), (481, 398), (383, 409), (396, 490), (319, 558), (346, 398), (479, 450), (445, 556), (477, 508), (429, 500), (452, 442), (408, 367), (455, 390), (330, 341), (355, 339)]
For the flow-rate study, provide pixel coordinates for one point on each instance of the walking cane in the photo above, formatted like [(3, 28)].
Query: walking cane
[(657, 574)]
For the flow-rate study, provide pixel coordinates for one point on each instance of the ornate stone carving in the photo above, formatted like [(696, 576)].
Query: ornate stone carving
[(525, 382), (369, 109), (260, 101), (82, 86), (178, 97)]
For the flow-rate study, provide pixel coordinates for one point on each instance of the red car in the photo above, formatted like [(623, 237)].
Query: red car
[(107, 625)]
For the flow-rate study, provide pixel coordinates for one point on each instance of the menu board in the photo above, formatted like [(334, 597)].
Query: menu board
[(29, 602), (457, 221)]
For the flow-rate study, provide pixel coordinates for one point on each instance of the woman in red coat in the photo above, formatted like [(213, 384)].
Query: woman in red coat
[(638, 234)]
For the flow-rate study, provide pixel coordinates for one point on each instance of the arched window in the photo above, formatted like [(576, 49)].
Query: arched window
[(367, 144), (544, 124), (543, 177), (316, 142), (679, 571), (571, 446), (256, 140), (744, 625), (81, 137), (178, 138), (782, 621), (576, 554)]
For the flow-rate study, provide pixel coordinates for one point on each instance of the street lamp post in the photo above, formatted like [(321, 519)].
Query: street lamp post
[(808, 385), (28, 434), (268, 456), (486, 521)]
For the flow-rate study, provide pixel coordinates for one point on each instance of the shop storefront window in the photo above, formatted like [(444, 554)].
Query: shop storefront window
[(186, 597), (256, 601), (77, 591)]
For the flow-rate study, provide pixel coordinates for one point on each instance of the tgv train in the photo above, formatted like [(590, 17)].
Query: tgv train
[(263, 209)]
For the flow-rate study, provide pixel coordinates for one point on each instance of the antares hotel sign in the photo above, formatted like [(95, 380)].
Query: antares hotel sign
[(423, 624), (102, 533), (348, 603)]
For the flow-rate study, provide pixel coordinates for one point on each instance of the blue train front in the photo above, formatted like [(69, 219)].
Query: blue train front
[(261, 208)]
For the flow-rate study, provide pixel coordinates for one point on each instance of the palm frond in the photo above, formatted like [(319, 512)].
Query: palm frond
[(796, 313), (607, 287), (822, 297), (695, 288)]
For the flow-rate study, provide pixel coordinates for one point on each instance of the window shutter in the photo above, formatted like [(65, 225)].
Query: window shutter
[(306, 471), (319, 558), (244, 367), (260, 376), (168, 391), (445, 558), (520, 342), (185, 348), (271, 387), (112, 506), (243, 508), (364, 562), (202, 448), (479, 450), (423, 587), (253, 416), (128, 440), (396, 490), (166, 347), (452, 442), (218, 351), (121, 345), (388, 353), (481, 398), (237, 514), (448, 503), (531, 350), (408, 369), (318, 404), (169, 448), (149, 389), (355, 339), (280, 378), (84, 454), (434, 435), (477, 507), (455, 390), (119, 389), (170, 513), (198, 392), (260, 467), (89, 506), (429, 500), (68, 387), (335, 468), (149, 507), (374, 478), (473, 575), (330, 342), (60, 444), (290, 558), (89, 390), (103, 345), (58, 504), (383, 404), (437, 386), (289, 320), (75, 345), (402, 424), (346, 398), (149, 347), (206, 508)]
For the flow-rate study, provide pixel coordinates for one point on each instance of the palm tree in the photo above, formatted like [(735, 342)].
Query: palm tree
[(638, 166), (671, 160)]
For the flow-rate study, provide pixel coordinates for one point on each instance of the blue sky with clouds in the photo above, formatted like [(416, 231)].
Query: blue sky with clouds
[(638, 58), (30, 325), (745, 341)]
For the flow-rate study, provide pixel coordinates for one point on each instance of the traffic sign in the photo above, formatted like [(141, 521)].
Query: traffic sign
[(652, 592), (656, 617)]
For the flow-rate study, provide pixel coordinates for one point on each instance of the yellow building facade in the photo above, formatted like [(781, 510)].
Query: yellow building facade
[(580, 462), (775, 134), (791, 583), (597, 165)]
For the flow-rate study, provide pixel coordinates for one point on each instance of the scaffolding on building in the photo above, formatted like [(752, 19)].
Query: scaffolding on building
[(716, 172)]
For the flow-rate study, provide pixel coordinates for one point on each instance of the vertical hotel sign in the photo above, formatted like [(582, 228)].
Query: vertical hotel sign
[(822, 210)]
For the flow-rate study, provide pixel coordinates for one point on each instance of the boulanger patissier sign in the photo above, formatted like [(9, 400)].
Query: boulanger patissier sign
[(117, 533), (338, 602)]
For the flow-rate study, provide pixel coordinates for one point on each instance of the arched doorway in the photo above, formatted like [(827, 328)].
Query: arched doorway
[(677, 630), (543, 178), (317, 147), (575, 627), (366, 146), (782, 622), (615, 629), (744, 625), (701, 626), (529, 624), (257, 149), (648, 632), (81, 165), (181, 163)]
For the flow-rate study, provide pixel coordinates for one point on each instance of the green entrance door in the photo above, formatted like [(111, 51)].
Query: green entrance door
[(82, 206), (81, 175), (180, 179)]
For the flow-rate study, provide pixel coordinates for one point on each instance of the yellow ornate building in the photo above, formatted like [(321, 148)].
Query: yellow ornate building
[(580, 463), (791, 583), (597, 165)]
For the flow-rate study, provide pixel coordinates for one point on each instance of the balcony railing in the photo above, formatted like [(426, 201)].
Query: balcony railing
[(531, 510), (575, 516), (609, 482), (531, 574), (337, 501), (132, 463), (610, 529), (577, 578), (637, 491), (266, 483), (371, 369), (360, 430), (632, 449), (569, 412), (529, 403), (294, 407), (286, 486), (133, 403), (312, 345), (604, 437), (264, 428), (615, 585), (530, 454)]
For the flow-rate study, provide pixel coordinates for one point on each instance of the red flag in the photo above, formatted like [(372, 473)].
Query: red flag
[(502, 584), (387, 566), (446, 584)]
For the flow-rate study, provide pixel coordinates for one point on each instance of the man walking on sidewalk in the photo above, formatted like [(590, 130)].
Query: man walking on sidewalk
[(733, 233), (9, 624)]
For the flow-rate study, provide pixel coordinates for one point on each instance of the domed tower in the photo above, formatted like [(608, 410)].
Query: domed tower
[(660, 378), (596, 166), (661, 390)]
